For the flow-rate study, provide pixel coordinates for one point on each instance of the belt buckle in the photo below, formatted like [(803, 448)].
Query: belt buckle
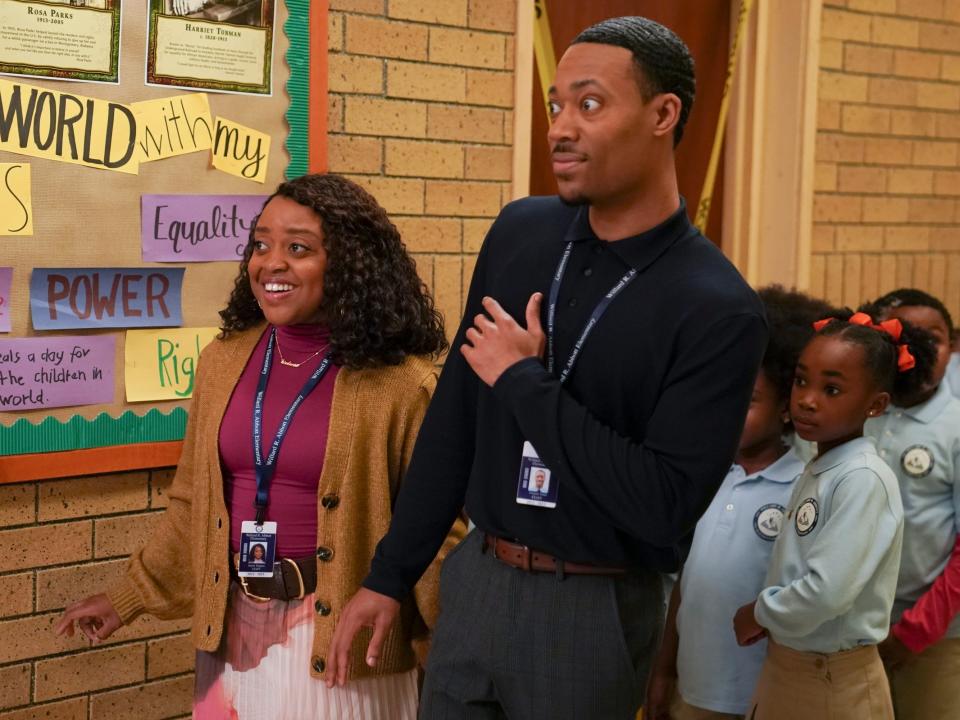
[(296, 569), (243, 583)]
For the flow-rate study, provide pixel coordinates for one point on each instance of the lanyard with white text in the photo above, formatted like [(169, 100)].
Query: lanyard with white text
[(266, 468), (595, 316)]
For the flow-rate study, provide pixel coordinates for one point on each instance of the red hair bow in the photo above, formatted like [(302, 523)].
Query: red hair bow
[(892, 327)]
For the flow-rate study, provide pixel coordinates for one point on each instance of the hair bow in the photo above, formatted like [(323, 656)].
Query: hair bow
[(892, 327)]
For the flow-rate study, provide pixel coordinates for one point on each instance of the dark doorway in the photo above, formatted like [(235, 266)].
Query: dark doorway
[(705, 26)]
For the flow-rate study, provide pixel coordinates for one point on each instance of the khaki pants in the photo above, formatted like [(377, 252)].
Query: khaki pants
[(849, 685), (928, 685), (680, 709)]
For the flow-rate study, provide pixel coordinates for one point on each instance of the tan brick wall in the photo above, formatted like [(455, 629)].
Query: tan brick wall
[(887, 183), (62, 540), (421, 96)]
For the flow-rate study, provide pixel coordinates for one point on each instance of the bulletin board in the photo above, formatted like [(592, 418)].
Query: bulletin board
[(85, 217)]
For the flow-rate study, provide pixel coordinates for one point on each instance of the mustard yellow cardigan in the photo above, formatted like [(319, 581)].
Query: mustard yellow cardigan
[(374, 420)]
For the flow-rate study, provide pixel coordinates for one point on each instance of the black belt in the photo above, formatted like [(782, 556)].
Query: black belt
[(293, 578)]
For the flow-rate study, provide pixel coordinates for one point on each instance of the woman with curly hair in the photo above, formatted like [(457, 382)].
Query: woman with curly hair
[(303, 418)]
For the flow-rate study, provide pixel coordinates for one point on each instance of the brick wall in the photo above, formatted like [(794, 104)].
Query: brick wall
[(421, 93), (887, 189), (60, 541), (420, 114)]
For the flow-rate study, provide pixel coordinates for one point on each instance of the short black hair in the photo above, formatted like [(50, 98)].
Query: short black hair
[(790, 317), (662, 58), (881, 353), (910, 297)]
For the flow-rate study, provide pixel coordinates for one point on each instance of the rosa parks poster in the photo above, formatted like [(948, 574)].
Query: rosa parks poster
[(61, 39), (224, 46)]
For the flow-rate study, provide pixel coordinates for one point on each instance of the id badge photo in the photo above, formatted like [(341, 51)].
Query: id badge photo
[(536, 485), (258, 547)]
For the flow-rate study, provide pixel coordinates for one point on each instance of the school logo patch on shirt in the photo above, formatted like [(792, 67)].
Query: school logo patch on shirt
[(917, 461), (807, 515), (768, 520)]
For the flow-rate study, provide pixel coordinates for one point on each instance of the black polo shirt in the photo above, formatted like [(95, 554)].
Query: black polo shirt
[(640, 436)]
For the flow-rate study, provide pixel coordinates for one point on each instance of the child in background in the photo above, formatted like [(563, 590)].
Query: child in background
[(919, 437), (731, 546), (833, 572)]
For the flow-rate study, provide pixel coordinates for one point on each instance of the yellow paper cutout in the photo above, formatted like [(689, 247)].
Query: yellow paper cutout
[(173, 126), (161, 364), (240, 150), (44, 123), (16, 204)]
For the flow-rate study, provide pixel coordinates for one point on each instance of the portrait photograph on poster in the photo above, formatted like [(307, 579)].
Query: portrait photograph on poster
[(222, 46), (61, 39)]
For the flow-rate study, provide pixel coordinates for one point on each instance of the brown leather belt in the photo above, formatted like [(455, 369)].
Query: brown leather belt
[(293, 578), (525, 558)]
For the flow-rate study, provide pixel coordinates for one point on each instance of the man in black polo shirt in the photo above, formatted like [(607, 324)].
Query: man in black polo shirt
[(607, 341)]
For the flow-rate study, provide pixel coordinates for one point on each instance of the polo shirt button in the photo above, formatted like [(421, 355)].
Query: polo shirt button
[(587, 272), (598, 248), (322, 608), (730, 507), (573, 302), (887, 433), (330, 501), (325, 553), (319, 665)]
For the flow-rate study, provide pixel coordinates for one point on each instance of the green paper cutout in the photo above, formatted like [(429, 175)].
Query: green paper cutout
[(78, 433), (297, 29)]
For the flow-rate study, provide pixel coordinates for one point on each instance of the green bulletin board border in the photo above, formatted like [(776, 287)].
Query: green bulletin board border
[(77, 433), (51, 435)]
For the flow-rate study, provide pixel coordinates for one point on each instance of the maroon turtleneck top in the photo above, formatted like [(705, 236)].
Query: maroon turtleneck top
[(293, 492)]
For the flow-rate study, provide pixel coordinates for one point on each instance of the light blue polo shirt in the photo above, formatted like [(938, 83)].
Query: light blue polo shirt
[(833, 572), (921, 445), (725, 570), (953, 374)]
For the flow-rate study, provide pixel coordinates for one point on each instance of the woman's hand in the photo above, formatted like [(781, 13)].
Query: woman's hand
[(746, 627), (95, 616)]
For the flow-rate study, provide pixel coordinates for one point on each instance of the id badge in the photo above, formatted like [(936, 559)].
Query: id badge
[(258, 546), (536, 485)]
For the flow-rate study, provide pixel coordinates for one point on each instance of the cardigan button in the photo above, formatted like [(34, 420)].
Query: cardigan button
[(319, 665), (325, 554), (330, 501), (322, 608)]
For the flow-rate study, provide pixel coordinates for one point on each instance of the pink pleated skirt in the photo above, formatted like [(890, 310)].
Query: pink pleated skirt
[(262, 672)]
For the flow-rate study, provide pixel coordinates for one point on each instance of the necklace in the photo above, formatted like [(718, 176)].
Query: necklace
[(284, 361)]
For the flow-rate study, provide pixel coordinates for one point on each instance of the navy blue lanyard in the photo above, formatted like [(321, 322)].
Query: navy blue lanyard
[(595, 316), (266, 468)]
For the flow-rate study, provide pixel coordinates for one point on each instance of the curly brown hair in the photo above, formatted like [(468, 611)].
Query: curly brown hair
[(377, 308)]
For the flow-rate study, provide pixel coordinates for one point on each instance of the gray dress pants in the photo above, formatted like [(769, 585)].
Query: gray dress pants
[(531, 646)]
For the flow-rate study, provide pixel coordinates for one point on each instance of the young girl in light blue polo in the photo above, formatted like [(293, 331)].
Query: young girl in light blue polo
[(919, 438), (833, 573), (713, 677)]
